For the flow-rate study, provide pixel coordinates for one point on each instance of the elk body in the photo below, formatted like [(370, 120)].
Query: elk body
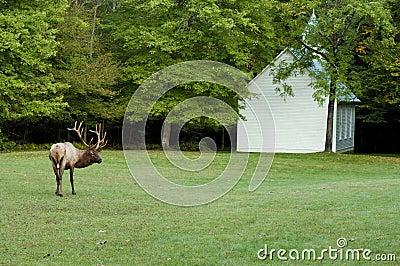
[(64, 156)]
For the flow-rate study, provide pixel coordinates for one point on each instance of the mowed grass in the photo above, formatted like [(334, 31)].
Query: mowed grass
[(307, 201)]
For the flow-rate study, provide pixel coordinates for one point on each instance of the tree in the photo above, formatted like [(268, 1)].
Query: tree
[(28, 43), (332, 41), (379, 66), (151, 35), (155, 34), (83, 64)]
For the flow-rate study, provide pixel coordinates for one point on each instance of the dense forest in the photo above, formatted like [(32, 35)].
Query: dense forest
[(68, 60)]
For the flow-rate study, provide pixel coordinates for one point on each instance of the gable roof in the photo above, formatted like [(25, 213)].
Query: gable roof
[(315, 66), (271, 64)]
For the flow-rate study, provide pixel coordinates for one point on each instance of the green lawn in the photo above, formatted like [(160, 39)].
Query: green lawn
[(307, 201)]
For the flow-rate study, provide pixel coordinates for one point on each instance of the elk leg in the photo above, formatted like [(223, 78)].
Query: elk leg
[(59, 181), (57, 173), (58, 185), (71, 179)]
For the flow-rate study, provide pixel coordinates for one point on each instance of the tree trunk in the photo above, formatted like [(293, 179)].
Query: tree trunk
[(85, 135), (92, 40), (223, 138), (114, 6), (26, 134), (166, 136), (329, 120), (329, 125)]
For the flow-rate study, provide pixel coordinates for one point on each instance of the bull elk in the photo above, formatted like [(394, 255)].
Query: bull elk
[(64, 156)]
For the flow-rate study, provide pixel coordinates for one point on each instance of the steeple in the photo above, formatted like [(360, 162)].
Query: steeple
[(313, 19), (312, 23)]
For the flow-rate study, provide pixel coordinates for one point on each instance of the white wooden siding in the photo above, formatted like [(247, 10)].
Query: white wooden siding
[(300, 123)]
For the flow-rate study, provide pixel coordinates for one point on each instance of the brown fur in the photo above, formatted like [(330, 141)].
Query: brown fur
[(64, 156)]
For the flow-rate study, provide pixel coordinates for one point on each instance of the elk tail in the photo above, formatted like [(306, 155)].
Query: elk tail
[(58, 159), (58, 165)]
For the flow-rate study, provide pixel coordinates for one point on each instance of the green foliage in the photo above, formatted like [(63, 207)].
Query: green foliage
[(28, 90), (152, 35), (89, 71), (6, 145), (333, 38), (330, 41), (381, 100), (157, 34), (65, 60), (379, 87)]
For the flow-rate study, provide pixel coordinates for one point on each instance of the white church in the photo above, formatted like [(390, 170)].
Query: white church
[(292, 124)]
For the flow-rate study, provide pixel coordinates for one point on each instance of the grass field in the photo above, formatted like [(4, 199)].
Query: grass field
[(306, 202)]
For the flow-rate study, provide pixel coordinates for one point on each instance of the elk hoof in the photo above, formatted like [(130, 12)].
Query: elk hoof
[(73, 193)]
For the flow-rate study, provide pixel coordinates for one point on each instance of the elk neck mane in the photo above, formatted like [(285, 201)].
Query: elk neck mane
[(84, 159)]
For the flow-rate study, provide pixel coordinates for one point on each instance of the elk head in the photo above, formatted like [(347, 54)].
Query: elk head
[(92, 150)]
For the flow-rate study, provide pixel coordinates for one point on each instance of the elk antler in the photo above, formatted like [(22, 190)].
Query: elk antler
[(101, 142), (79, 131)]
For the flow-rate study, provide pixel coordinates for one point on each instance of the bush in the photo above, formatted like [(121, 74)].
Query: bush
[(7, 145), (34, 147), (189, 146)]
